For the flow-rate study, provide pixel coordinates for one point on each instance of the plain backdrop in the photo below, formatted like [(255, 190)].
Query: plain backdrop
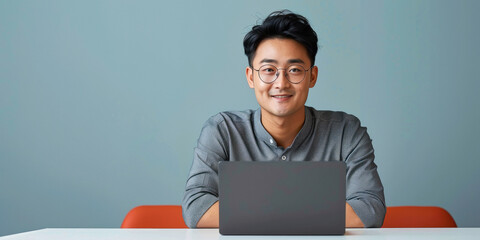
[(101, 102)]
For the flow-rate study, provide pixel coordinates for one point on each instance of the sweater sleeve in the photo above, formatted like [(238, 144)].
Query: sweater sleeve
[(364, 187), (201, 190)]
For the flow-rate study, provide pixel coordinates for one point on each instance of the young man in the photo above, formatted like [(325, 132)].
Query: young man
[(281, 55)]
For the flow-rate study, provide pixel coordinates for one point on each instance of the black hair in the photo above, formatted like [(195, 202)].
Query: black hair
[(282, 24)]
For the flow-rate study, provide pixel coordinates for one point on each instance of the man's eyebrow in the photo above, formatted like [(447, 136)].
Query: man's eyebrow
[(267, 60), (295, 60)]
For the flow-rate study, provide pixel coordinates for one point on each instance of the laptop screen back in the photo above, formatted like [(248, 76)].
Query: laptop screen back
[(282, 198)]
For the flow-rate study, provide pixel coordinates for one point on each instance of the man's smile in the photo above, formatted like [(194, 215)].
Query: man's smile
[(282, 98), (281, 95)]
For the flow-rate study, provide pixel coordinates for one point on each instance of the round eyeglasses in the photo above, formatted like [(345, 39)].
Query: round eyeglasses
[(294, 73)]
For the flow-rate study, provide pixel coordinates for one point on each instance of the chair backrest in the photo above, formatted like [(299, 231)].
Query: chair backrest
[(155, 216), (417, 217)]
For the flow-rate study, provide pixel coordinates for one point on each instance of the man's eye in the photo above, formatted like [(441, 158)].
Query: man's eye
[(268, 70), (295, 70)]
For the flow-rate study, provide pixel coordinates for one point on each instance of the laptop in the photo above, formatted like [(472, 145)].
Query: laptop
[(282, 198)]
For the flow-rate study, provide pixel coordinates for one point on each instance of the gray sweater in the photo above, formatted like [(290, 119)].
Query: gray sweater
[(325, 136)]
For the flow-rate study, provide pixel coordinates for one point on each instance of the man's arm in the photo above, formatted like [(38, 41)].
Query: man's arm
[(201, 190), (351, 218), (364, 188), (210, 218)]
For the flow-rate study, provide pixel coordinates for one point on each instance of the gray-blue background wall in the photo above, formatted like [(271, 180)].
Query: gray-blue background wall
[(101, 102)]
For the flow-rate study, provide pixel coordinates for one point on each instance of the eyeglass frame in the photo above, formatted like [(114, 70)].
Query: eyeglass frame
[(277, 73)]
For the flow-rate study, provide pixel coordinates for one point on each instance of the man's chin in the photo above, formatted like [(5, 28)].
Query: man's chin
[(280, 112)]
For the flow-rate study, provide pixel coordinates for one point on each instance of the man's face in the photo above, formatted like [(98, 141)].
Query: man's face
[(281, 98)]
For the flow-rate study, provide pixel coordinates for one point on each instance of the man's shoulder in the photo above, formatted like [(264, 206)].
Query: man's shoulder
[(232, 116), (331, 116)]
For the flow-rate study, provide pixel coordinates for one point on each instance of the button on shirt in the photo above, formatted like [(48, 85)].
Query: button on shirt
[(325, 136)]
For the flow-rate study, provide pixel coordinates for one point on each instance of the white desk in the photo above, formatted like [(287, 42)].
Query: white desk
[(212, 234)]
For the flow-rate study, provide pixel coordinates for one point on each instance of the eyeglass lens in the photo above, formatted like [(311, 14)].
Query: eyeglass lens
[(270, 73)]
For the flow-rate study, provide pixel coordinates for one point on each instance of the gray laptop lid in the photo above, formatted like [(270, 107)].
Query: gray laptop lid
[(282, 198)]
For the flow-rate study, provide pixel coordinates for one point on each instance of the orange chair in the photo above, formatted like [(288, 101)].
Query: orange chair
[(155, 216), (417, 217)]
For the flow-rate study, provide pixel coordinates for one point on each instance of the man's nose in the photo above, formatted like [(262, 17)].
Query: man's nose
[(282, 80)]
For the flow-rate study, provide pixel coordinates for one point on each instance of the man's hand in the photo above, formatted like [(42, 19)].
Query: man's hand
[(210, 218)]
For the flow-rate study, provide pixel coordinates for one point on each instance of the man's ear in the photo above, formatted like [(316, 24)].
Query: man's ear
[(313, 76), (249, 75)]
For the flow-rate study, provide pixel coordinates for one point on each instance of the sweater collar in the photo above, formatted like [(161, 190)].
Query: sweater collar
[(264, 136)]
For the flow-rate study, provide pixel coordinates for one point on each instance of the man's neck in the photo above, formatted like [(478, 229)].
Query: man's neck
[(283, 129)]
